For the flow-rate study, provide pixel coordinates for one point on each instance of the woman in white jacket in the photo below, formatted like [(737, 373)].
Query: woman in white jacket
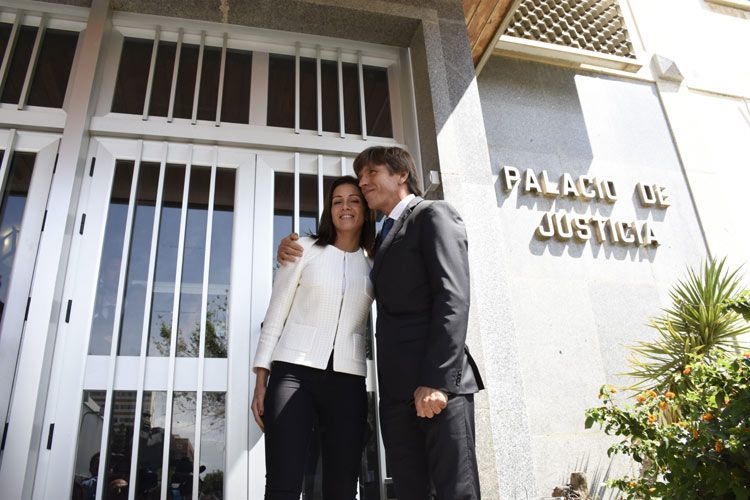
[(312, 344)]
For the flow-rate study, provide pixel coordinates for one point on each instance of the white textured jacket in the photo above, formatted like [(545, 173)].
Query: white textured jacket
[(312, 312)]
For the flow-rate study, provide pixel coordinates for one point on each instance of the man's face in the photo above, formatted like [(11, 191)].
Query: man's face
[(380, 187)]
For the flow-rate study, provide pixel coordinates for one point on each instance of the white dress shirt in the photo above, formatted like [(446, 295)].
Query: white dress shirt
[(400, 207)]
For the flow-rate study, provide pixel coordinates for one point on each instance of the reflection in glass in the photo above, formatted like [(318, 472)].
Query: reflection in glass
[(352, 120), (89, 441), (117, 470), (308, 94), (53, 68), (182, 446), (134, 299), (188, 323), (186, 73), (162, 300), (12, 207), (209, 89), (377, 101), (151, 446), (109, 269), (132, 76), (283, 204), (220, 265), (329, 81), (235, 104), (162, 86), (19, 64), (213, 444), (5, 29), (280, 91)]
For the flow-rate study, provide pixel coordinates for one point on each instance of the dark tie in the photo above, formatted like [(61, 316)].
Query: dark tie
[(387, 225)]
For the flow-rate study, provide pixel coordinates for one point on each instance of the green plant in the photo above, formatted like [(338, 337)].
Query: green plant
[(706, 315), (703, 454)]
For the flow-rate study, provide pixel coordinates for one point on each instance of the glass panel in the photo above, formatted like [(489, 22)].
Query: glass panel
[(280, 91), (308, 94), (283, 211), (109, 269), (352, 120), (11, 216), (212, 446), (182, 446), (117, 470), (19, 64), (134, 300), (53, 68), (89, 442), (209, 83), (188, 326), (329, 79), (162, 86), (5, 29), (162, 301), (220, 265), (151, 446), (183, 95), (377, 101), (132, 76), (235, 104)]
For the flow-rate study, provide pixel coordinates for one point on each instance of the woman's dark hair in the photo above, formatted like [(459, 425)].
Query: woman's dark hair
[(396, 159), (327, 231)]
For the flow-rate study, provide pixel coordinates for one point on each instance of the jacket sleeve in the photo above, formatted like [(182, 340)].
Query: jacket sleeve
[(445, 252), (282, 296)]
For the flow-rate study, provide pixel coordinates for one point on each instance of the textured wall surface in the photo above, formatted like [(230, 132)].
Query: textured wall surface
[(572, 307)]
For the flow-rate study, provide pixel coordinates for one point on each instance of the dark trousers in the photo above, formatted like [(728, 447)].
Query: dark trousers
[(431, 458), (296, 397)]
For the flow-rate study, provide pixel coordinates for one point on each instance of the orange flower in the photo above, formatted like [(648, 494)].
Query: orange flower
[(707, 417), (651, 419), (669, 395), (695, 433), (651, 393), (746, 354), (726, 401), (612, 390), (717, 446), (641, 398), (686, 371), (663, 405), (632, 484)]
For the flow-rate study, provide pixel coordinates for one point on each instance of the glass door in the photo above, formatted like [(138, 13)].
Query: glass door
[(159, 291), (27, 163)]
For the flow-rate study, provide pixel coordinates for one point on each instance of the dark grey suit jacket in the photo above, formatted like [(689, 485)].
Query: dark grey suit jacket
[(421, 280)]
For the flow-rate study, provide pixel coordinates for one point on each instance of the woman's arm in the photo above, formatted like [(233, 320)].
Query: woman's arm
[(259, 395)]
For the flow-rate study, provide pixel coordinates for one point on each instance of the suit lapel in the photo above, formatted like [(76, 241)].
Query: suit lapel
[(392, 234)]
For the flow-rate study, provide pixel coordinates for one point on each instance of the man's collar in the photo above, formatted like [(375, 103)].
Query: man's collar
[(399, 209)]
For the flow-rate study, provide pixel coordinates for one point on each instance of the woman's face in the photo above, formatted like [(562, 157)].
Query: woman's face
[(347, 208)]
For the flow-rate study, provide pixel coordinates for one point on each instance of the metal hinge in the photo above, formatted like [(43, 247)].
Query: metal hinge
[(44, 220), (93, 164), (67, 313), (5, 434), (83, 224), (26, 314)]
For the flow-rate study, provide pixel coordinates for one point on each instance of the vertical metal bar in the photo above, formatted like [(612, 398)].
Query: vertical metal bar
[(176, 70), (295, 219), (341, 92), (146, 327), (118, 317), (220, 97), (32, 62), (321, 202), (175, 318), (204, 316), (198, 73), (343, 166), (151, 71), (296, 88), (9, 49), (319, 80), (360, 78)]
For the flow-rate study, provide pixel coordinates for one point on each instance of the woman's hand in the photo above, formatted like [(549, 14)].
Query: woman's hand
[(259, 396)]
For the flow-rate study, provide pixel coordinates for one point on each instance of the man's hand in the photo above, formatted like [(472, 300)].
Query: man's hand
[(289, 250), (429, 402)]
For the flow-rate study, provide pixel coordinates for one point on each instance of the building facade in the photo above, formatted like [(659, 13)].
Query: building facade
[(153, 154)]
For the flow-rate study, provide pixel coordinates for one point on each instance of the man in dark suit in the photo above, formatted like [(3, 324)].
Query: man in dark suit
[(427, 378)]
